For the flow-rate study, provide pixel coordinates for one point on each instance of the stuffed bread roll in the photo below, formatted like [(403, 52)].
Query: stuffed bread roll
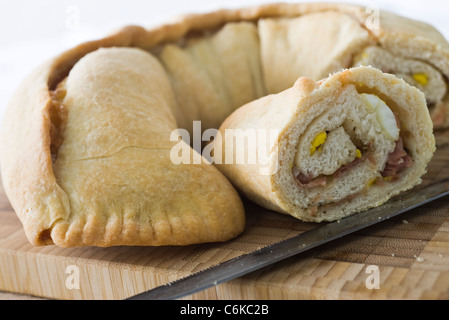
[(343, 145), (410, 49)]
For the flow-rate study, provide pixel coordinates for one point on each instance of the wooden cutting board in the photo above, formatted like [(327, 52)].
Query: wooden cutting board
[(409, 255)]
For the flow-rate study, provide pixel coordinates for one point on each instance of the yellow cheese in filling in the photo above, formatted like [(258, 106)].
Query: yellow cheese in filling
[(421, 78), (317, 143)]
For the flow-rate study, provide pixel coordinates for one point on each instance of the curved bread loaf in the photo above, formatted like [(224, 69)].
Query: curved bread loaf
[(342, 145), (84, 160)]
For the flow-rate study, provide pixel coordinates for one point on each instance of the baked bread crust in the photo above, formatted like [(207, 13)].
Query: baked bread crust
[(300, 113), (31, 124), (111, 181)]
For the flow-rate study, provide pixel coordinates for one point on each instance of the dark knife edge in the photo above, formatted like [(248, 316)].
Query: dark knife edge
[(276, 252)]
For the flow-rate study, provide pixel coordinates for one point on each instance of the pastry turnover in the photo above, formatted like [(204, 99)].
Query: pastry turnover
[(344, 144), (111, 181), (86, 137)]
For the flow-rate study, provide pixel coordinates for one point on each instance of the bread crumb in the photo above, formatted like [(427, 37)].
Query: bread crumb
[(419, 259)]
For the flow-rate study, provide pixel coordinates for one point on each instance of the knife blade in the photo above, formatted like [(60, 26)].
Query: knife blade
[(276, 252)]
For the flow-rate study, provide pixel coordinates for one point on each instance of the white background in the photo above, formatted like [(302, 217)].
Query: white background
[(32, 31)]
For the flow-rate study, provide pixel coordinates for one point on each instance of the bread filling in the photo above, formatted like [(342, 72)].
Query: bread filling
[(415, 72), (397, 161), (350, 148)]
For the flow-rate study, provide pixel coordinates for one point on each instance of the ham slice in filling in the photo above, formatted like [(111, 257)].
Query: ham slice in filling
[(398, 161)]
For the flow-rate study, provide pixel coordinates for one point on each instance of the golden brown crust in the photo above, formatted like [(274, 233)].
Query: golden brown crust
[(414, 37), (289, 49), (27, 171), (117, 185)]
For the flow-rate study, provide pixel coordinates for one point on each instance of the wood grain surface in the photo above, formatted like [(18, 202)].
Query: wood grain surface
[(410, 252)]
